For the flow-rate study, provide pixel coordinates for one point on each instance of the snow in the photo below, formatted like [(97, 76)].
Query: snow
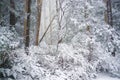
[(104, 76), (67, 64), (84, 51)]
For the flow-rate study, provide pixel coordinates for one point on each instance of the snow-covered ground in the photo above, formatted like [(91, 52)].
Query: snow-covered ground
[(103, 76)]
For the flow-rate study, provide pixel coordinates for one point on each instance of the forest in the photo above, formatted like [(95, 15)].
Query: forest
[(59, 39)]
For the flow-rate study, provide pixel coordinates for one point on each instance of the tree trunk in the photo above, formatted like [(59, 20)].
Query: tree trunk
[(108, 12), (50, 21), (39, 7), (27, 23), (106, 16), (47, 29), (12, 14), (0, 11)]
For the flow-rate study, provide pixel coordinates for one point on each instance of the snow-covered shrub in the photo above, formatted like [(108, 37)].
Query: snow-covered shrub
[(6, 38), (8, 42), (89, 33), (67, 64), (89, 46)]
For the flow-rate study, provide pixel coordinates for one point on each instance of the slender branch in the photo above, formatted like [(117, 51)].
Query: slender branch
[(47, 29)]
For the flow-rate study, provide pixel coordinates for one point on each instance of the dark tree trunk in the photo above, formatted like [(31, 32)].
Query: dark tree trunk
[(12, 14), (27, 24), (108, 13), (39, 9)]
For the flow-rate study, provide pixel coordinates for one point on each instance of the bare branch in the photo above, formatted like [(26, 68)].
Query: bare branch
[(47, 29)]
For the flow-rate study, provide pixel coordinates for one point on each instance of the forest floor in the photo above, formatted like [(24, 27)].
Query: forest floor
[(104, 76)]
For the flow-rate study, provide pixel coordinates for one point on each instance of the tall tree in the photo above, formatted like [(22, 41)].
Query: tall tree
[(39, 9), (50, 21), (27, 23), (12, 14), (0, 10), (108, 12)]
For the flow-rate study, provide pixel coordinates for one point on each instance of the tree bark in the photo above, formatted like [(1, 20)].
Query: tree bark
[(108, 12), (47, 29), (39, 7), (27, 23), (12, 14), (50, 21)]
